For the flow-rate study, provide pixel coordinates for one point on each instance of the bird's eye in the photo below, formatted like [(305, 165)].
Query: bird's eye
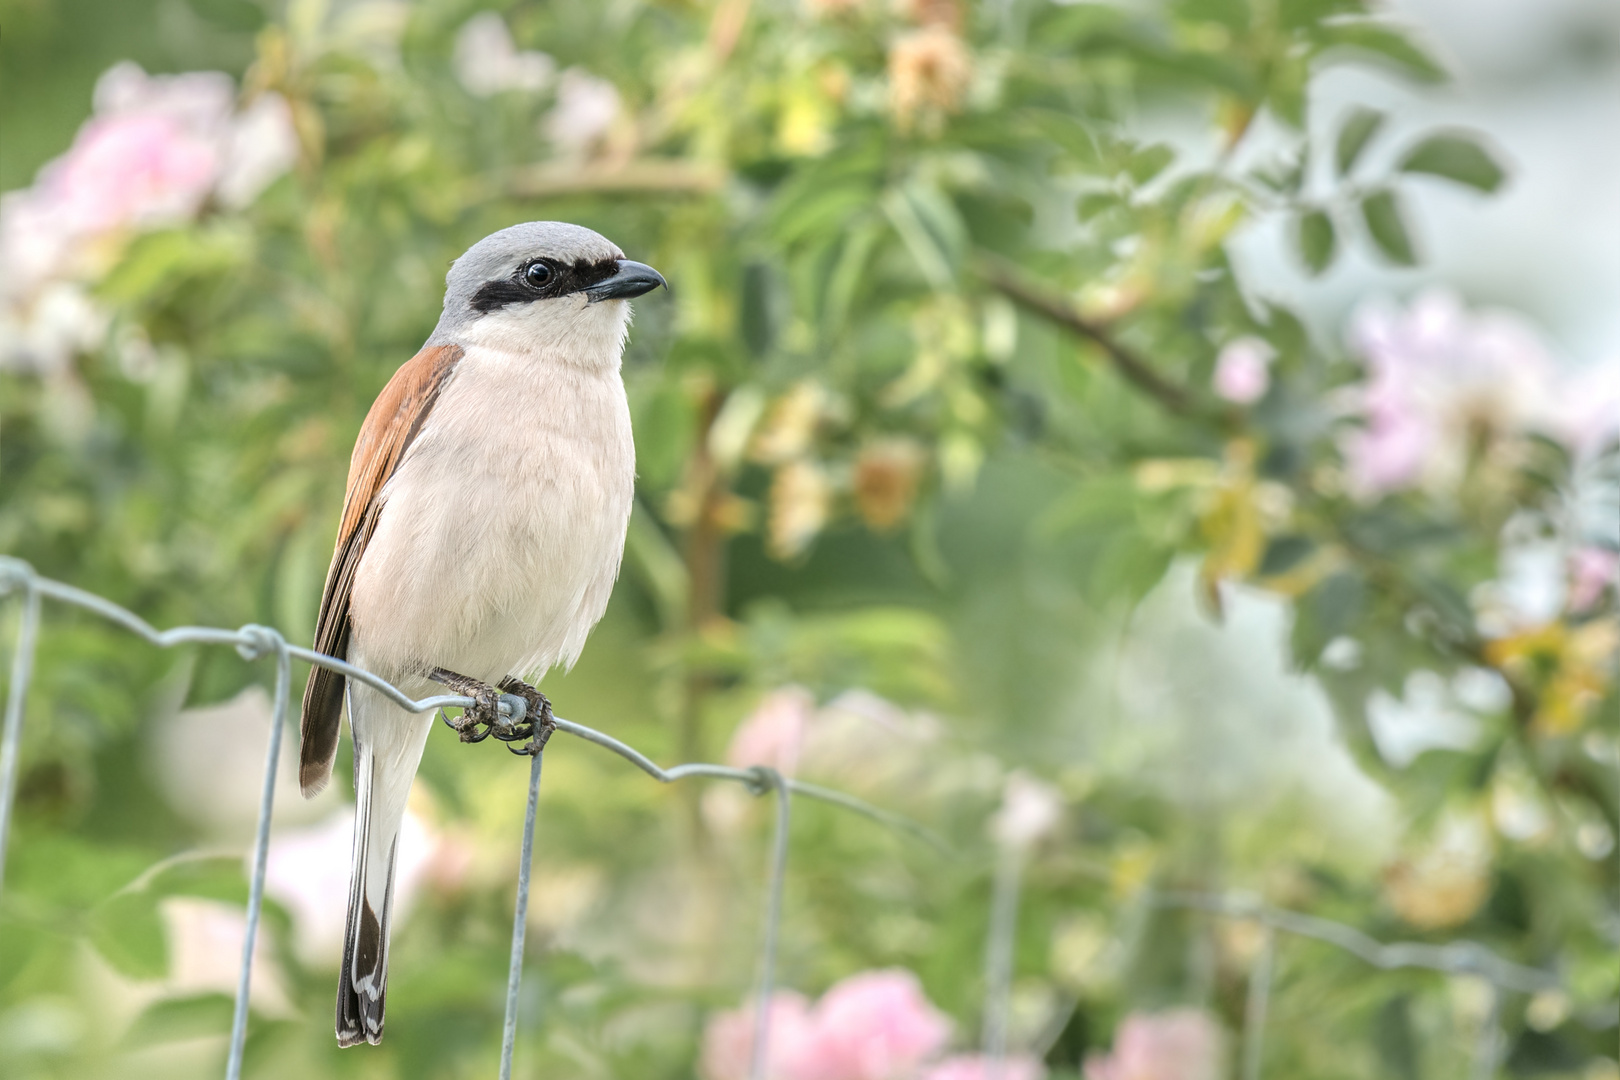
[(537, 275)]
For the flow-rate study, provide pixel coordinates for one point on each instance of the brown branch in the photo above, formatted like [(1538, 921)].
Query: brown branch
[(1017, 286), (656, 176)]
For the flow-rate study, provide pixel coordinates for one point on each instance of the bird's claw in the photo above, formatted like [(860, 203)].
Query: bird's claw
[(530, 723), (533, 733)]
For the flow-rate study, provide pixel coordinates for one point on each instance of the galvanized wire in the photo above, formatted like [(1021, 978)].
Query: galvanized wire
[(998, 956), (254, 642), (1258, 1003), (22, 667), (520, 921), (266, 640), (759, 1054), (1456, 958)]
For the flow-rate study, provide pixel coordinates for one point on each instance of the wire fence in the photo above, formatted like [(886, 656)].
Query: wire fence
[(254, 642)]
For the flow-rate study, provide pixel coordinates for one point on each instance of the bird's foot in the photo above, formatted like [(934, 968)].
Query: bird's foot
[(482, 718), (538, 725)]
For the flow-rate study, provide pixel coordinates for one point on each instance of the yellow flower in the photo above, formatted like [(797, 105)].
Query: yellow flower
[(800, 495), (1571, 667), (790, 423), (1443, 883), (886, 474)]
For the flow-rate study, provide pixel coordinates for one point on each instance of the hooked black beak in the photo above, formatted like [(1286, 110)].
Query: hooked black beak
[(631, 279)]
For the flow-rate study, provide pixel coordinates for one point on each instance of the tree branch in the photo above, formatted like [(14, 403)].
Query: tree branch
[(1009, 280)]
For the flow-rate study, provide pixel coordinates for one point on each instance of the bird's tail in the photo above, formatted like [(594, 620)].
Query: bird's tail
[(388, 744)]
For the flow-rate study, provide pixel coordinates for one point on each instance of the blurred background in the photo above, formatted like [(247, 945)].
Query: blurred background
[(1168, 448)]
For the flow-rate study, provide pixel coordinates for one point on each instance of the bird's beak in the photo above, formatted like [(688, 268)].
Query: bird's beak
[(632, 279)]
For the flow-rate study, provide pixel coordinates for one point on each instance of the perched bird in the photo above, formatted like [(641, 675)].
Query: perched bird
[(482, 530)]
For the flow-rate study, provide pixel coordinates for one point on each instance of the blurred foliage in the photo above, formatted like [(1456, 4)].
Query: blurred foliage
[(926, 412)]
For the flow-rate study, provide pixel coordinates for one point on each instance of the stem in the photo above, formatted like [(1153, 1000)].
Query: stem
[(1013, 283)]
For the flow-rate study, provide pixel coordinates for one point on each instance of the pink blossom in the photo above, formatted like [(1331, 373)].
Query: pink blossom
[(874, 1026), (1587, 416), (1591, 571), (979, 1067), (1243, 370), (155, 151), (133, 170), (774, 733), (1438, 376), (728, 1041), (1182, 1044)]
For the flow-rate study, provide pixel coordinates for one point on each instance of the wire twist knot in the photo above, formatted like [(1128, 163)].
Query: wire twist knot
[(259, 641), (14, 573), (763, 778)]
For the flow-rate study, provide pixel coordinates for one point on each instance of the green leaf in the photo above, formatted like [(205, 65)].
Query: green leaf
[(1458, 157), (1381, 211), (1354, 135), (1149, 162), (1318, 244), (127, 931), (1383, 42)]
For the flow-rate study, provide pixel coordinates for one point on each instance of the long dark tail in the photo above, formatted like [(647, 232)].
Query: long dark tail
[(388, 746)]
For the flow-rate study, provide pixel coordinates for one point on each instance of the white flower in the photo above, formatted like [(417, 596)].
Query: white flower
[(260, 146), (42, 337), (308, 874), (1429, 715), (586, 108), (488, 62), (1029, 811), (209, 764), (205, 939)]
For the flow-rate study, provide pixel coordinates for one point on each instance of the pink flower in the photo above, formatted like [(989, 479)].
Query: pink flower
[(156, 149), (874, 1026), (774, 733), (133, 170), (979, 1067), (1438, 377), (728, 1041), (1243, 370), (1182, 1044), (1591, 570)]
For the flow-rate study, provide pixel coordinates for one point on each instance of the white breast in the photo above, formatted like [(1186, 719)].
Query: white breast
[(502, 530)]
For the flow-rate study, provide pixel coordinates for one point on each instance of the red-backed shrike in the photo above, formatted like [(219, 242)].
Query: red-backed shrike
[(484, 522)]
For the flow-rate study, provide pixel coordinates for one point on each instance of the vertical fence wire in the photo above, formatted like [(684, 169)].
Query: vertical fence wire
[(1258, 1004), (22, 668), (254, 642), (759, 1054), (520, 921), (267, 641), (1488, 1048), (998, 956)]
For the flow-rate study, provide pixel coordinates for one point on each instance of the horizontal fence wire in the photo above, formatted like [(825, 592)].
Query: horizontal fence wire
[(254, 642), (1459, 958)]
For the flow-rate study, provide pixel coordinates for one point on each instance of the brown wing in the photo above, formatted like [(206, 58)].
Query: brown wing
[(393, 422)]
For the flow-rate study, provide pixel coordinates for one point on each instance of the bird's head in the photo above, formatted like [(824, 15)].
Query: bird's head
[(544, 287)]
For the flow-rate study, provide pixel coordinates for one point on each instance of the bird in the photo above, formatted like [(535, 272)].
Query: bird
[(483, 525)]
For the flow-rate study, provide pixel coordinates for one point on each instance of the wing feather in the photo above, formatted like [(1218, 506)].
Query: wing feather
[(395, 419)]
